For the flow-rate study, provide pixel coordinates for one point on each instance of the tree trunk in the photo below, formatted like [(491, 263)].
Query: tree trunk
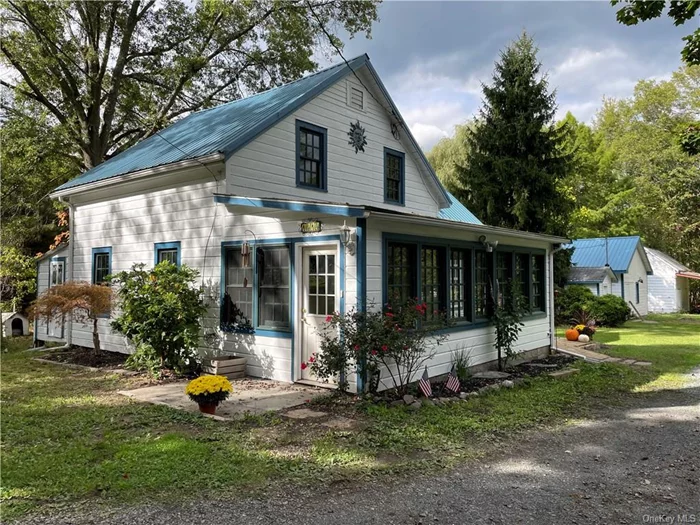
[(95, 336)]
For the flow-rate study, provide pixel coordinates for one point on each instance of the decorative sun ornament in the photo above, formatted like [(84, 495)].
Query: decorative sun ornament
[(358, 139), (395, 131)]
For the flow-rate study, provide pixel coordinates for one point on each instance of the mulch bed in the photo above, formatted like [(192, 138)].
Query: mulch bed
[(88, 357)]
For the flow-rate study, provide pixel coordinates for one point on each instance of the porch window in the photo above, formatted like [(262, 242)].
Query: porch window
[(432, 279), (460, 275), (520, 275), (394, 176), (311, 156), (481, 283), (538, 283), (504, 273), (401, 273), (274, 292), (237, 308)]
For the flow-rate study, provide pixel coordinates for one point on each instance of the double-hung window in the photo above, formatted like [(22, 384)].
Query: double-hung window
[(394, 176), (167, 251), (311, 156), (274, 292), (460, 277), (482, 286), (237, 308), (504, 274), (101, 264), (401, 273), (538, 287), (432, 280), (520, 275), (257, 292)]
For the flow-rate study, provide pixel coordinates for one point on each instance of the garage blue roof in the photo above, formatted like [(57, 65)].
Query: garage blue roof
[(591, 253), (458, 212), (222, 129)]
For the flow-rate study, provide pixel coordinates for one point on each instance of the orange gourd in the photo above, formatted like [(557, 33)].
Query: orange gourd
[(572, 334)]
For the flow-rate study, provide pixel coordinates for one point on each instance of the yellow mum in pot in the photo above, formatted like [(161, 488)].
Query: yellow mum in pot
[(209, 391)]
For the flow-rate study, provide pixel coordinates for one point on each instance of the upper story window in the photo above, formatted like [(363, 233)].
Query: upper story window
[(394, 176), (167, 251), (101, 264), (311, 156)]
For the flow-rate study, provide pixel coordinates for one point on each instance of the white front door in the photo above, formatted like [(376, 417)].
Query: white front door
[(319, 298), (54, 327)]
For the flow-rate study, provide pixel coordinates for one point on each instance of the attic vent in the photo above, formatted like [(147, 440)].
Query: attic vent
[(357, 98)]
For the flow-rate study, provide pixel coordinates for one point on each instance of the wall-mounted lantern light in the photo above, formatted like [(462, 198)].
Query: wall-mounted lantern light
[(346, 238), (489, 245)]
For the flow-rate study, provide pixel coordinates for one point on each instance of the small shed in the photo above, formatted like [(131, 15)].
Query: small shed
[(14, 324), (669, 287), (597, 280)]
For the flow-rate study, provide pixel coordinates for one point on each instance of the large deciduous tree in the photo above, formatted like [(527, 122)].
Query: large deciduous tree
[(680, 11), (516, 160), (112, 73)]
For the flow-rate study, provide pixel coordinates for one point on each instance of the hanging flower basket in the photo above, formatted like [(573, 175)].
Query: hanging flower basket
[(208, 392)]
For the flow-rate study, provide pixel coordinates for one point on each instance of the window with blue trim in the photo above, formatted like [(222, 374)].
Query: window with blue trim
[(257, 292), (465, 282), (167, 251), (311, 156), (101, 264), (401, 273), (394, 176)]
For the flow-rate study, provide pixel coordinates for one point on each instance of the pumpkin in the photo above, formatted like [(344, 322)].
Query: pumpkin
[(584, 338), (572, 334)]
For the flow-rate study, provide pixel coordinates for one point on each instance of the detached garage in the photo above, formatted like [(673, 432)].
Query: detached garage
[(669, 287)]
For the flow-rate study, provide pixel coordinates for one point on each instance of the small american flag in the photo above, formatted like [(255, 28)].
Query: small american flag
[(452, 381), (424, 384)]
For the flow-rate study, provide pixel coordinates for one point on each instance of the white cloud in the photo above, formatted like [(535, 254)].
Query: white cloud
[(427, 135)]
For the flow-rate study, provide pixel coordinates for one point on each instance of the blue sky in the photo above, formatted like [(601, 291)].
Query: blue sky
[(432, 56)]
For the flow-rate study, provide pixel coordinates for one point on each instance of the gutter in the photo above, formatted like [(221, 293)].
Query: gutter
[(137, 175), (477, 228)]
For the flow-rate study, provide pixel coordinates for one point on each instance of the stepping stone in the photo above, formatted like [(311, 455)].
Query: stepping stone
[(642, 363), (628, 362), (559, 374), (613, 360), (304, 413), (340, 423), (541, 365), (491, 374)]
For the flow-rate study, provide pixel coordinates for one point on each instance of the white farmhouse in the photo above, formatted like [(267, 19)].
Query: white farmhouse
[(306, 199), (613, 265), (669, 289)]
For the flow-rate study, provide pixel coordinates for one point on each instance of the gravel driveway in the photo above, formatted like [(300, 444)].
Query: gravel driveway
[(636, 464)]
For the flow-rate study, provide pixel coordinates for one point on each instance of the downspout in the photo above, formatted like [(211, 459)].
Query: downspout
[(552, 327), (71, 258)]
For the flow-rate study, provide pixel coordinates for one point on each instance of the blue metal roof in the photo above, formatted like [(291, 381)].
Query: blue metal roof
[(457, 212), (590, 253), (223, 129)]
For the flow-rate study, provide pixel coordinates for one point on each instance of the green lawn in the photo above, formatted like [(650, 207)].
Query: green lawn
[(68, 436)]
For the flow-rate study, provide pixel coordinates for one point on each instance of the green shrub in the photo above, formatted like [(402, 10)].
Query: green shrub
[(160, 312), (570, 301), (610, 310)]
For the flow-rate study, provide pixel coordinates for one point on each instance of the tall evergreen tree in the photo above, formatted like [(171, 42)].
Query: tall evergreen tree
[(517, 161)]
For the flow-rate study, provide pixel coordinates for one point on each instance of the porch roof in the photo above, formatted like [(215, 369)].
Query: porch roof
[(362, 211)]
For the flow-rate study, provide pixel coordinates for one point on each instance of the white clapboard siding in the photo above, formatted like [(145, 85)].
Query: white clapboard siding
[(131, 225), (266, 167)]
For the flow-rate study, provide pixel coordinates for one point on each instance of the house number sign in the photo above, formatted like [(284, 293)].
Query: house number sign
[(311, 226)]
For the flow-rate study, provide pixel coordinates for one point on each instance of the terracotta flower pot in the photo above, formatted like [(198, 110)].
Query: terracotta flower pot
[(207, 408)]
